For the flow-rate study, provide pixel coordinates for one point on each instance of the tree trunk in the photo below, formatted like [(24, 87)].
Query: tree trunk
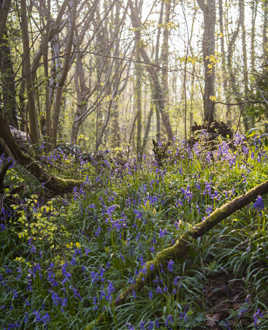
[(8, 81), (224, 70), (138, 93), (157, 48), (164, 60), (66, 67), (34, 129), (245, 116), (209, 13), (265, 51)]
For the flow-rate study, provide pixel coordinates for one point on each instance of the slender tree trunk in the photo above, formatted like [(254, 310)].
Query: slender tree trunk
[(245, 117), (138, 99), (265, 50), (157, 48), (254, 9), (8, 81), (81, 91), (224, 69), (232, 74), (115, 33), (164, 60), (65, 70), (209, 12), (5, 6), (34, 129), (148, 126), (138, 91)]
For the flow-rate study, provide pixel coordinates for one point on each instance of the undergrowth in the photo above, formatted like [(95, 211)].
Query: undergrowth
[(63, 262)]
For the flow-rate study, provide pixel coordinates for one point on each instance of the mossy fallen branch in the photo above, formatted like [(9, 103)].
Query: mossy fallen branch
[(183, 244), (54, 184)]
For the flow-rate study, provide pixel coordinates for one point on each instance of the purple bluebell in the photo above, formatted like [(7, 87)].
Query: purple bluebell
[(170, 265), (259, 204), (169, 320), (256, 317)]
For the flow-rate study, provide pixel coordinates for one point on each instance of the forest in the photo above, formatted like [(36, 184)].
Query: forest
[(134, 164)]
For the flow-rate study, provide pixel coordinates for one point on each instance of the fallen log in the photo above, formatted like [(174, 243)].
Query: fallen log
[(54, 184)]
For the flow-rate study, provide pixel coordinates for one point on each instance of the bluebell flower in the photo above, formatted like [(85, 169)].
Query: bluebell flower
[(170, 265), (162, 233), (169, 320), (111, 209), (73, 261), (76, 293), (187, 193), (51, 278), (36, 268), (37, 316), (256, 317), (110, 288), (66, 274), (98, 231), (134, 294), (259, 204), (45, 319), (142, 324), (150, 325), (156, 324), (176, 280), (209, 210), (55, 298), (13, 325), (159, 290)]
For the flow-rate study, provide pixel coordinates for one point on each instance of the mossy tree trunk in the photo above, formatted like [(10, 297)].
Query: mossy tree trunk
[(54, 184)]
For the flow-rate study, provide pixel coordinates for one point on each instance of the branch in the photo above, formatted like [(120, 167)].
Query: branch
[(202, 5), (239, 103)]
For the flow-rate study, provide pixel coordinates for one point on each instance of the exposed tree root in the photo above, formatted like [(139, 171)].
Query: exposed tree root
[(183, 244)]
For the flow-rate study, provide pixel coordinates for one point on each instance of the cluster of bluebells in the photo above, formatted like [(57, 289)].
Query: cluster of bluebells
[(123, 232)]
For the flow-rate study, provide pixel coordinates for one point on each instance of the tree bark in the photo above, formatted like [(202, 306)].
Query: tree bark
[(4, 6), (245, 116), (164, 60), (34, 129), (8, 81), (209, 13), (224, 70), (265, 53)]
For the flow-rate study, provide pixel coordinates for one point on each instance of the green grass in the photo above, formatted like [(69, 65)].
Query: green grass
[(64, 263)]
